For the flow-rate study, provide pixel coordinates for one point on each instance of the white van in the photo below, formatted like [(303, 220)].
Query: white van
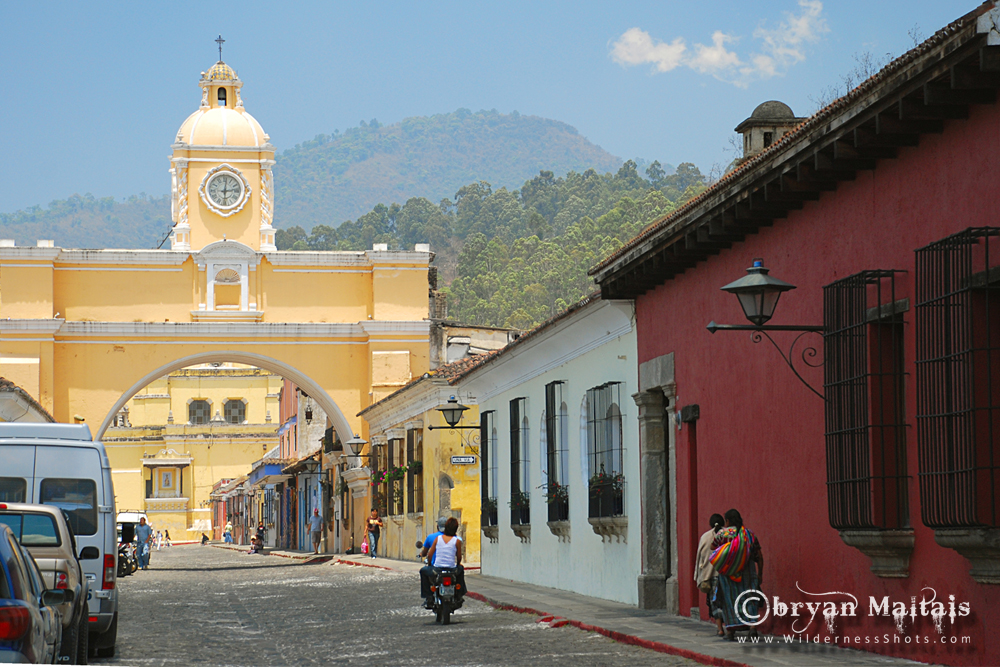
[(62, 465)]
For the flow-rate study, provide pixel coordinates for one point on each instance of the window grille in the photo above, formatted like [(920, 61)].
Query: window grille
[(414, 471), (605, 450), (520, 508), (488, 467), (866, 471), (557, 459), (958, 379), (395, 487), (199, 412), (236, 412)]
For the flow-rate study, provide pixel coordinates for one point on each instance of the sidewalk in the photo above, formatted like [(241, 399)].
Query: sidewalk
[(654, 630)]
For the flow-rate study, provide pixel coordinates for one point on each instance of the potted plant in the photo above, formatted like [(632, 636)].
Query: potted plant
[(489, 510), (557, 498), (416, 467), (607, 494), (520, 506)]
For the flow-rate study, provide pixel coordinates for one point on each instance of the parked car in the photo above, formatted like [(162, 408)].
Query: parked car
[(44, 531), (30, 623), (62, 465)]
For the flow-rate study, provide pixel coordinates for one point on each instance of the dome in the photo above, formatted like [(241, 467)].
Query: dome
[(220, 71), (222, 127), (772, 110)]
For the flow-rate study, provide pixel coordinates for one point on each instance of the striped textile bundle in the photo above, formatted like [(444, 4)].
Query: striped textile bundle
[(731, 558)]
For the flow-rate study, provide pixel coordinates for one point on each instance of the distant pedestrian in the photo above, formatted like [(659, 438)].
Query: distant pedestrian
[(144, 535), (740, 565), (166, 537), (316, 529), (228, 533), (204, 539), (374, 528), (159, 540), (704, 571)]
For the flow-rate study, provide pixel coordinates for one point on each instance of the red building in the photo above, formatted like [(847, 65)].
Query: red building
[(884, 210)]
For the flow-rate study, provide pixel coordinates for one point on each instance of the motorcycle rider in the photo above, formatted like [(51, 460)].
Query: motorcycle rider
[(446, 552)]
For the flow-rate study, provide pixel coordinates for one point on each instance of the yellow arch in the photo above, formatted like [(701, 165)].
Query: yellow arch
[(315, 391)]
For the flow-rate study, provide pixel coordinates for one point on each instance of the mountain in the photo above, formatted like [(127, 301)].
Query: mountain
[(342, 176), (335, 178)]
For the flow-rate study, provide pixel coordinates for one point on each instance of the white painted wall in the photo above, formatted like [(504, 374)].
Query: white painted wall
[(590, 347)]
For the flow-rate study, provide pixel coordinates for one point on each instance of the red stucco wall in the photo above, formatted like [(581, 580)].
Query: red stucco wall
[(760, 438)]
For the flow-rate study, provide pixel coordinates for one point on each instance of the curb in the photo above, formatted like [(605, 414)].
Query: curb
[(338, 561), (659, 647)]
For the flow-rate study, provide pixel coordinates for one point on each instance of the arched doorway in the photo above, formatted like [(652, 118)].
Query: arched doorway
[(319, 394)]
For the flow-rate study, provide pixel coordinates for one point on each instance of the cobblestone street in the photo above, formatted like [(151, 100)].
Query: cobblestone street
[(200, 605)]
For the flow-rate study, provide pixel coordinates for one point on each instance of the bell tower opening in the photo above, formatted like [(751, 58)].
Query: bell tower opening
[(222, 96)]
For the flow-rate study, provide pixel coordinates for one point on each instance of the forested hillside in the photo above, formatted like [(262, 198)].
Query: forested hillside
[(341, 176), (516, 257)]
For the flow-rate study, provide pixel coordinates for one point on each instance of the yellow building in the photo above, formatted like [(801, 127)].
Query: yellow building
[(447, 484), (86, 330), (188, 430)]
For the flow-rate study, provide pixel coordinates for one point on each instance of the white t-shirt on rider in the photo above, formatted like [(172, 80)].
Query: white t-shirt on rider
[(445, 553)]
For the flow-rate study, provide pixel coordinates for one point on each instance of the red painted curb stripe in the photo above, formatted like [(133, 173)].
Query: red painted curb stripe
[(351, 562), (659, 647)]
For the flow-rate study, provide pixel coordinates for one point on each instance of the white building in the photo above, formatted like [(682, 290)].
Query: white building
[(558, 423)]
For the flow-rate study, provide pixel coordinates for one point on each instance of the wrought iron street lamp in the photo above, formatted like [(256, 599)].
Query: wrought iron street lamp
[(758, 294), (452, 412)]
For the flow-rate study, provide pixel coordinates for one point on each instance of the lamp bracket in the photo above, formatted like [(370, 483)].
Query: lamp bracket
[(439, 428), (758, 333)]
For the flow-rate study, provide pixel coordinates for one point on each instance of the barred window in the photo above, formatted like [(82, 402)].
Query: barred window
[(958, 379), (199, 412), (488, 467), (395, 488), (415, 470), (605, 451), (865, 419), (236, 412), (557, 454), (519, 463)]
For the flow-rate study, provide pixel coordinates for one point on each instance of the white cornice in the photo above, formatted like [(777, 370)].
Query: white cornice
[(398, 256), (264, 148), (185, 330), (119, 257), (221, 252), (391, 327), (32, 253), (307, 258), (45, 327)]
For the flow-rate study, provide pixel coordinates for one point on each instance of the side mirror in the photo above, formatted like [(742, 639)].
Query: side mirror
[(90, 553), (420, 545), (56, 597)]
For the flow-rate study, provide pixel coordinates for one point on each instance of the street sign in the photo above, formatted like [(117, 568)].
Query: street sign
[(462, 460)]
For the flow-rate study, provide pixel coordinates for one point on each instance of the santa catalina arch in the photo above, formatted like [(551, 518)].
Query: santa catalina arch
[(84, 330)]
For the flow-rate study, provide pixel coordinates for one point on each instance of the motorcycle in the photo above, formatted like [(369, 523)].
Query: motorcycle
[(444, 600), (127, 562)]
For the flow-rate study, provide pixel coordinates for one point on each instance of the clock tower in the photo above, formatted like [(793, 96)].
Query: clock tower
[(222, 185)]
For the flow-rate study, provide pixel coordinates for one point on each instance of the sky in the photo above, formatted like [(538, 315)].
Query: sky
[(92, 94)]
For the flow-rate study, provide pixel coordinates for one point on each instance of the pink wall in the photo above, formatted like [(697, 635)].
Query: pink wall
[(760, 438)]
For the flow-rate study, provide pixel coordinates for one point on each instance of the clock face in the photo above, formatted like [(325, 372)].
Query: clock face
[(225, 190)]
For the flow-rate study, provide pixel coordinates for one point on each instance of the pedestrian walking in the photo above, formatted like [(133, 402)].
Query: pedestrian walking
[(704, 571), (144, 535), (159, 540), (316, 529), (166, 537), (374, 528), (228, 533), (739, 562)]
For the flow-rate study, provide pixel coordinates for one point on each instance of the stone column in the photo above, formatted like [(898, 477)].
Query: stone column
[(653, 493)]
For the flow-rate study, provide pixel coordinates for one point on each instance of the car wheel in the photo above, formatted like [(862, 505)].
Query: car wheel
[(104, 643), (83, 639), (70, 642)]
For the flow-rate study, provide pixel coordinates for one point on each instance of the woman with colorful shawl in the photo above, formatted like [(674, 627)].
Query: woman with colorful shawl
[(735, 551)]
